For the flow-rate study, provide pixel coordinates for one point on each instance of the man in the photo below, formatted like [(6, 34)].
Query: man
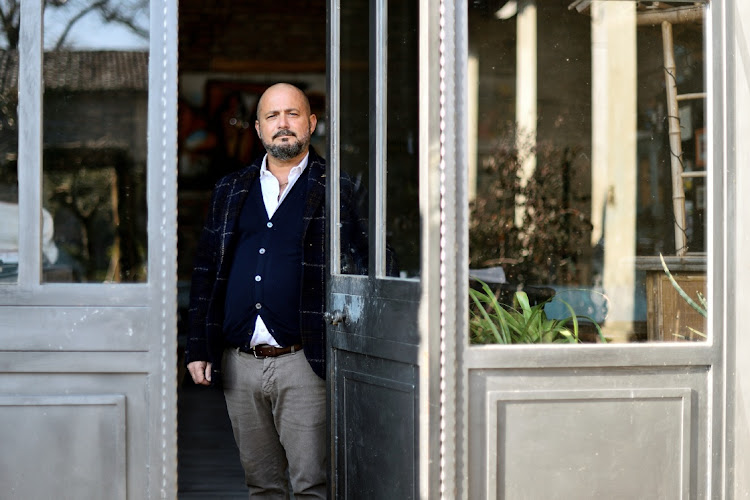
[(257, 300)]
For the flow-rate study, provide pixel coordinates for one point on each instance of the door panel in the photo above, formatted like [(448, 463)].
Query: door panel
[(88, 364), (377, 415), (55, 390), (90, 428), (373, 390), (384, 309), (75, 328), (588, 433)]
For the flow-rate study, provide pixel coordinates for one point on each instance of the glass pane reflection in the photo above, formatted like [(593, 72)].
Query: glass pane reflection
[(354, 117), (402, 160), (572, 189), (95, 114), (8, 161)]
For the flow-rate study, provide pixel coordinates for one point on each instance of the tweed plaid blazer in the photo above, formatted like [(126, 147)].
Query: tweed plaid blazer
[(214, 256)]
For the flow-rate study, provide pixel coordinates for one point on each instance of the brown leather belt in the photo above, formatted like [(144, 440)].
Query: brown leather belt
[(261, 351)]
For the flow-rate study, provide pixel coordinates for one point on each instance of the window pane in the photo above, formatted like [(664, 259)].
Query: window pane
[(575, 186), (95, 114), (354, 119), (9, 160), (402, 160)]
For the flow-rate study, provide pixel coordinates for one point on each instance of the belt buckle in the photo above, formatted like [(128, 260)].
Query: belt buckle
[(255, 353)]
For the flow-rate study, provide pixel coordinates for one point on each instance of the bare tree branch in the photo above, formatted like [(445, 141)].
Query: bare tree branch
[(116, 16), (10, 20), (96, 5), (121, 12)]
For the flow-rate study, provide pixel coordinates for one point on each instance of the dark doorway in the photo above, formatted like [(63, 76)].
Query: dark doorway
[(229, 52), (208, 461)]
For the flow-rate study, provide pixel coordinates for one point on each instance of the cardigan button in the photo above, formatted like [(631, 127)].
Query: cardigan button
[(257, 278), (270, 224), (262, 251)]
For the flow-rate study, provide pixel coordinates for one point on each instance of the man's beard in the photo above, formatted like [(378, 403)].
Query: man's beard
[(286, 151)]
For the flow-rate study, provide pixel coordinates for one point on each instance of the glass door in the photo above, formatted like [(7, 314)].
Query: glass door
[(374, 290)]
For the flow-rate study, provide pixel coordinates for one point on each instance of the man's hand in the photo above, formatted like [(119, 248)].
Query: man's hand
[(200, 371)]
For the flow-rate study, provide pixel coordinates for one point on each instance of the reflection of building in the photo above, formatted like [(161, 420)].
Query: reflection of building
[(94, 134)]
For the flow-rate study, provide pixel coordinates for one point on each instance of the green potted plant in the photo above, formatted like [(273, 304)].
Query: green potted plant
[(520, 323)]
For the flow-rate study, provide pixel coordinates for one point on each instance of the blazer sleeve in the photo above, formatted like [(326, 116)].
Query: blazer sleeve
[(205, 270)]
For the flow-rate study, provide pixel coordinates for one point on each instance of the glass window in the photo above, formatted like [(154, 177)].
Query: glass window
[(588, 166), (397, 142), (9, 149), (354, 118), (94, 162), (402, 160)]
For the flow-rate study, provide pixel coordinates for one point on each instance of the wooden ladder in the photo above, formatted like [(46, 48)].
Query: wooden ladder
[(668, 17)]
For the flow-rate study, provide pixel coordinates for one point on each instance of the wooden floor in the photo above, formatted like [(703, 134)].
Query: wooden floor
[(208, 462)]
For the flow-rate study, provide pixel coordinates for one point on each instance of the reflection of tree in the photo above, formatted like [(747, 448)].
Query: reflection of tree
[(132, 14), (94, 131), (83, 216), (97, 207), (10, 15), (552, 244), (8, 125)]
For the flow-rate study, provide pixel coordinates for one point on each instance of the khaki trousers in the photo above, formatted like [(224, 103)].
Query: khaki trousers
[(278, 411)]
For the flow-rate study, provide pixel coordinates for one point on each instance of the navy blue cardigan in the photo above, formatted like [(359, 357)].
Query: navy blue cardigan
[(214, 260)]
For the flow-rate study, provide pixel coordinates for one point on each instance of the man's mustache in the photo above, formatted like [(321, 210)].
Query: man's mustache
[(284, 133)]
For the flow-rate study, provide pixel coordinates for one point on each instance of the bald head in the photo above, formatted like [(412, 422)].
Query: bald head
[(286, 90)]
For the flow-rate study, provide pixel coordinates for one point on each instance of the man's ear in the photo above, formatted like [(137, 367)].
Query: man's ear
[(313, 123), (257, 128)]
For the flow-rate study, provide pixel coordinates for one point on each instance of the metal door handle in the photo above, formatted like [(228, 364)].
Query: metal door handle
[(335, 317)]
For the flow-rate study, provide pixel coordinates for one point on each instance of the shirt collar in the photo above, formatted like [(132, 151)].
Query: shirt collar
[(295, 171)]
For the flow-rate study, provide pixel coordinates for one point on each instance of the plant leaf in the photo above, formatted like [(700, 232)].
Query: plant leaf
[(703, 312), (476, 298)]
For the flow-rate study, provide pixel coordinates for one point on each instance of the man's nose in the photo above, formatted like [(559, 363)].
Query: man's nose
[(283, 121)]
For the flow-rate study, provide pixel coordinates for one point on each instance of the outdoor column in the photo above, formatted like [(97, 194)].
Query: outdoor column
[(614, 160), (526, 96)]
